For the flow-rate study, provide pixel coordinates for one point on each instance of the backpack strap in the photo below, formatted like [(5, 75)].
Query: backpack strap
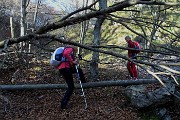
[(72, 55)]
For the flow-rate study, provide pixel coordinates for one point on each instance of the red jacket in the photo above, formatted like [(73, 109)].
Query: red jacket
[(130, 52), (69, 54)]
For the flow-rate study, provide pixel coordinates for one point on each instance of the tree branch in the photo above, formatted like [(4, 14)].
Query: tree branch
[(84, 17), (79, 10)]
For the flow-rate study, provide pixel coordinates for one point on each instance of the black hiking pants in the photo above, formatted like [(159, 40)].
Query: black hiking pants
[(67, 74)]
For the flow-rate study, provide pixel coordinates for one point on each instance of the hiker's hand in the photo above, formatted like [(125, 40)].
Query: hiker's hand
[(74, 62)]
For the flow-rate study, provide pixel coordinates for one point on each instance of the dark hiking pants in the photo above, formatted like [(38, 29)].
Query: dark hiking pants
[(67, 74)]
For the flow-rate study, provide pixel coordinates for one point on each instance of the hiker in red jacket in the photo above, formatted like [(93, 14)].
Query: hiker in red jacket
[(67, 69), (132, 55)]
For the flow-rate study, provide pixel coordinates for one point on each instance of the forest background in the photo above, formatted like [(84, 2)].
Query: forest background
[(31, 30)]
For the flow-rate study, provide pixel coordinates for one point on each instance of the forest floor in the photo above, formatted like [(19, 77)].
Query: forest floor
[(108, 103)]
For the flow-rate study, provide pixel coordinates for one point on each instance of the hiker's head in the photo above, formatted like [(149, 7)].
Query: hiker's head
[(127, 38)]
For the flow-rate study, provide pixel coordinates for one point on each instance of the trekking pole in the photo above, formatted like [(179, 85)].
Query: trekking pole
[(81, 87)]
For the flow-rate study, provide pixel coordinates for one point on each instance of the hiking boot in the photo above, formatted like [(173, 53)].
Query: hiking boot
[(63, 104), (128, 77), (63, 107), (135, 78)]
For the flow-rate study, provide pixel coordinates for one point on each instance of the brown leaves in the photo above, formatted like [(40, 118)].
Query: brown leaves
[(107, 103)]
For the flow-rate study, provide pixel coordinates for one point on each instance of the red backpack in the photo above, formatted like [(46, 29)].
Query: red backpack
[(137, 46)]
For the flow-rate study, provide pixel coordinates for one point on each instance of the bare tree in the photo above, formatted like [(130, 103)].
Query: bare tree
[(23, 21), (84, 27), (12, 26), (96, 42)]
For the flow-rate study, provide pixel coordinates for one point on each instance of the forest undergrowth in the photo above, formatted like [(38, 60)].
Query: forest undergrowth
[(108, 103)]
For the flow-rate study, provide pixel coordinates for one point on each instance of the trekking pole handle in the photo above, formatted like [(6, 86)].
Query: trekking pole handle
[(80, 56)]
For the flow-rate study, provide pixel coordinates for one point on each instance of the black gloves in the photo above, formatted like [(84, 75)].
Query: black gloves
[(80, 57)]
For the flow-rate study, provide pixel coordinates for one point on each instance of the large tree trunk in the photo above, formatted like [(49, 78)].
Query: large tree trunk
[(23, 21), (96, 42), (23, 17)]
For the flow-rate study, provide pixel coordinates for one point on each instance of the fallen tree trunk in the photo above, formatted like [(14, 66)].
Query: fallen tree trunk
[(77, 86)]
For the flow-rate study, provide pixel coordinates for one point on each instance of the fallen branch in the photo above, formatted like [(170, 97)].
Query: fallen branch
[(77, 86)]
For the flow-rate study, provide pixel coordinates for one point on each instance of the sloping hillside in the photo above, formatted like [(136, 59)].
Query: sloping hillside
[(103, 103)]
